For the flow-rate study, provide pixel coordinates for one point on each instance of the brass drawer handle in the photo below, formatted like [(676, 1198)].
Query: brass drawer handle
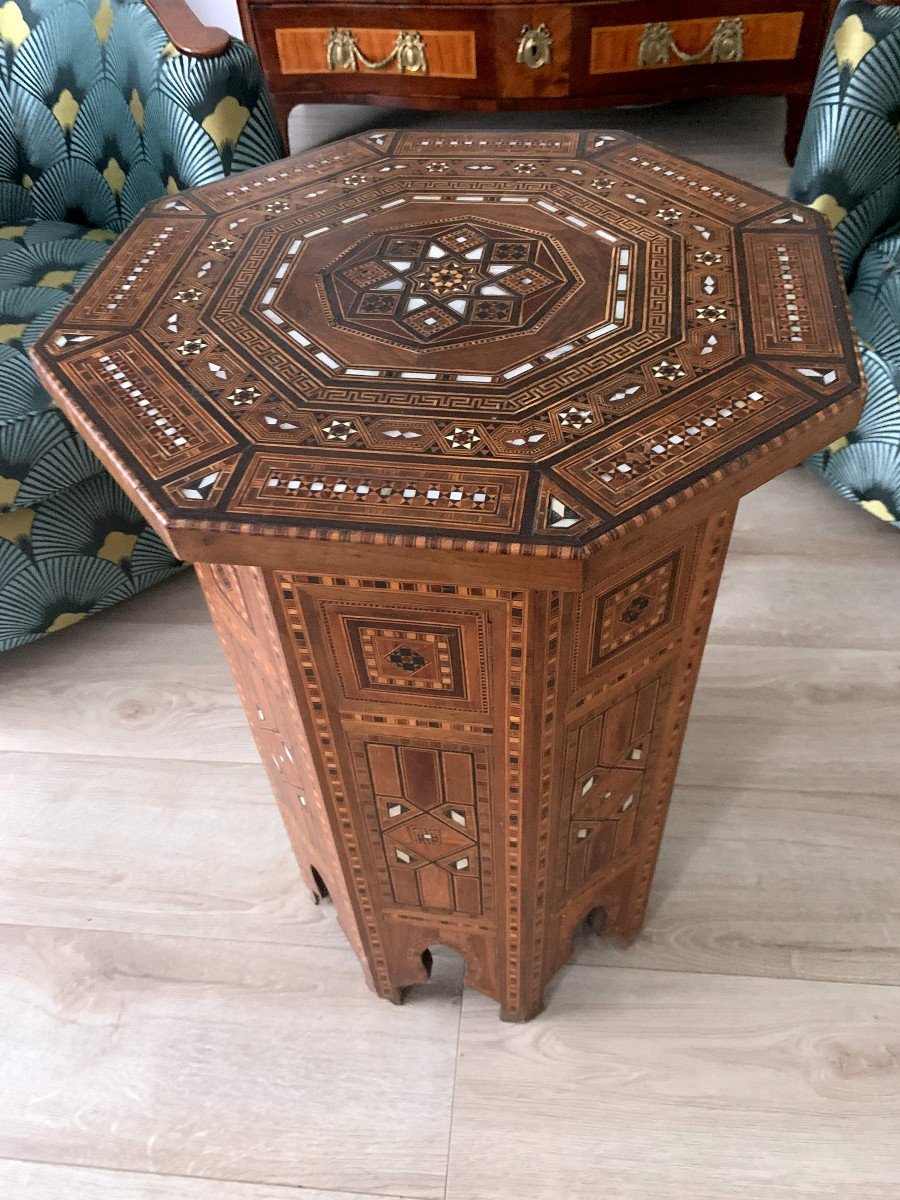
[(344, 53), (534, 46), (658, 44)]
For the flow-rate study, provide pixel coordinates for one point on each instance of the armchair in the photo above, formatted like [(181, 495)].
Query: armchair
[(104, 106), (848, 167)]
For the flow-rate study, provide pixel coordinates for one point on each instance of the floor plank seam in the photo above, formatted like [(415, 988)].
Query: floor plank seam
[(462, 998), (298, 1188), (804, 979)]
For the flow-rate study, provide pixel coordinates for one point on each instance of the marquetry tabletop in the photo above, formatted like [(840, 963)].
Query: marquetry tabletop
[(454, 427), (453, 339)]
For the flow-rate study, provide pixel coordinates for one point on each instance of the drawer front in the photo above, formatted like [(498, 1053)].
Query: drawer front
[(722, 40), (370, 50), (439, 53)]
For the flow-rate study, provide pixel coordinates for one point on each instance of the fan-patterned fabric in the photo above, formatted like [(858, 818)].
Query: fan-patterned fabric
[(99, 113), (848, 167)]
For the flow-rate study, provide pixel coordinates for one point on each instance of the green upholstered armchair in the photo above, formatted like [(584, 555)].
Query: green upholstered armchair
[(99, 113), (848, 167)]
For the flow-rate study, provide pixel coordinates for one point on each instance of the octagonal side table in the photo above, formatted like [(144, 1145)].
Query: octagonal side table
[(454, 427)]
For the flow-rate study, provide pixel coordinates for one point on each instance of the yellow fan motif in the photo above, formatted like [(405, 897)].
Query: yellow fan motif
[(13, 29), (57, 279), (225, 123), (117, 546), (103, 21), (65, 110), (64, 620), (137, 108), (9, 333), (114, 176), (9, 488), (828, 206), (878, 509), (15, 526), (852, 43)]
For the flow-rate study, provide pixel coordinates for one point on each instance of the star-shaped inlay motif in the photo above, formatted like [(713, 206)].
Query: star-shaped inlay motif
[(669, 370), (711, 312), (242, 396), (447, 278)]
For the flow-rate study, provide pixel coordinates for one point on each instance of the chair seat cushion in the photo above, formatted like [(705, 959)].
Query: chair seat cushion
[(41, 265), (865, 465)]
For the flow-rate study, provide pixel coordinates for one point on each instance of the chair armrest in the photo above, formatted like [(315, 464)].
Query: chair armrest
[(186, 31)]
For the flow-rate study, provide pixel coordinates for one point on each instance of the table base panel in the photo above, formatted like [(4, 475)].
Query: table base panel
[(472, 767)]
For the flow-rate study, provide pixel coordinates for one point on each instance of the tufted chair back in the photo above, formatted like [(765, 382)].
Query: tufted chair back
[(99, 113), (848, 161)]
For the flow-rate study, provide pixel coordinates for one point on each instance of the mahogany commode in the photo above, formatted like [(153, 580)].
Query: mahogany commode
[(454, 426)]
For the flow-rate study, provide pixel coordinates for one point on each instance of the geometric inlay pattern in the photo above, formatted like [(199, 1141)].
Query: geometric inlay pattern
[(634, 610), (535, 346), (426, 802), (434, 285), (419, 658), (604, 773)]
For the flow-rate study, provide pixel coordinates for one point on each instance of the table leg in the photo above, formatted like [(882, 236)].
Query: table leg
[(473, 767)]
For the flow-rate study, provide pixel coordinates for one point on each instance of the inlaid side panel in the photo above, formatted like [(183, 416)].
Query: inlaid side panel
[(766, 37), (432, 807), (240, 606), (304, 50), (634, 609), (638, 644), (603, 779), (419, 697)]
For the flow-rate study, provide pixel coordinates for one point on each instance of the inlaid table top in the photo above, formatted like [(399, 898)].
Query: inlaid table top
[(526, 343)]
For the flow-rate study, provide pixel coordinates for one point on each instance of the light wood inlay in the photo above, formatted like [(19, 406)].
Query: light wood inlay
[(768, 37), (451, 53)]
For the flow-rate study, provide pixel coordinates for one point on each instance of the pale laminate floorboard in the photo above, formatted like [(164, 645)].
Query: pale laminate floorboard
[(767, 883), (641, 1084), (48, 1181), (795, 719), (196, 1057), (151, 846), (124, 690), (798, 516), (782, 600)]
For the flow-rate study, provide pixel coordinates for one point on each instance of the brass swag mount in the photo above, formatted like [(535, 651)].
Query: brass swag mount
[(658, 44), (344, 53)]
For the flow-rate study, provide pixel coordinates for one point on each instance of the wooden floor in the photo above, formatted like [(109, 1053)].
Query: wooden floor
[(179, 1022)]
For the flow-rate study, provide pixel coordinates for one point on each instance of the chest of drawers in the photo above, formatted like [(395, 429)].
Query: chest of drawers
[(490, 56)]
